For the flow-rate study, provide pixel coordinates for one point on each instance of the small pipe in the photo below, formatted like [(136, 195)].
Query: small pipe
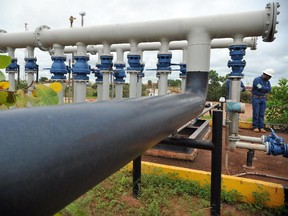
[(252, 139), (251, 146), (208, 109)]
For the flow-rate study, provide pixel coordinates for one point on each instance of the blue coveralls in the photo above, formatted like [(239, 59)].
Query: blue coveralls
[(259, 89)]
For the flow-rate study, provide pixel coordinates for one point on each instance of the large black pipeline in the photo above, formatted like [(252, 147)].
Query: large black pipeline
[(49, 156)]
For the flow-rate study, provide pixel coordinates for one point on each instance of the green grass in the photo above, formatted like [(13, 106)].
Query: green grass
[(160, 195)]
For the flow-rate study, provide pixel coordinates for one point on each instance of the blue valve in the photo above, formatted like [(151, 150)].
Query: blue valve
[(237, 64), (276, 145), (164, 61), (106, 62), (58, 68), (134, 62), (31, 65), (119, 73), (98, 74), (13, 66), (182, 70), (81, 68)]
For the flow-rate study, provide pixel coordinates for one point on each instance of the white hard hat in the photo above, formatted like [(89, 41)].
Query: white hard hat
[(269, 72)]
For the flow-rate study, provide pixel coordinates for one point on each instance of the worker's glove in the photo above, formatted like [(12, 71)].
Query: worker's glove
[(259, 86)]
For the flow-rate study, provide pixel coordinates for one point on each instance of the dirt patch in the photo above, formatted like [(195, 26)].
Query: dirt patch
[(131, 201)]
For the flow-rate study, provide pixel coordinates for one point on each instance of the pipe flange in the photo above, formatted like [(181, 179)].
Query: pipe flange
[(38, 42), (271, 22)]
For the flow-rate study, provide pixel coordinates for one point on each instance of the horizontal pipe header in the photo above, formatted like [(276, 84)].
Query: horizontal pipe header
[(245, 24)]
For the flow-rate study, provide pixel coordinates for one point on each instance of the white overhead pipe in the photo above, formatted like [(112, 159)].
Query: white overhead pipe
[(254, 23)]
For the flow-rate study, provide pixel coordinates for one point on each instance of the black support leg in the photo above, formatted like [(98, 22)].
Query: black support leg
[(136, 176), (216, 161)]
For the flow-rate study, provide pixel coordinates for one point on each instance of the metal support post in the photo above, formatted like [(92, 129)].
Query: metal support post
[(249, 159), (136, 176), (216, 163)]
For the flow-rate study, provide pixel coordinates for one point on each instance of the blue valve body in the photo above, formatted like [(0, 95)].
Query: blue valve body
[(134, 62), (119, 73), (13, 66), (164, 61), (31, 65), (81, 68), (237, 64), (276, 145), (58, 68)]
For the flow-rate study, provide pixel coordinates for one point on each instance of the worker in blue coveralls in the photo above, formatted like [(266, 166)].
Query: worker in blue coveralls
[(261, 86), (242, 88)]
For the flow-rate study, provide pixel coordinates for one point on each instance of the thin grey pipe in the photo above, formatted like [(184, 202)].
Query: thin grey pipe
[(49, 156), (209, 109)]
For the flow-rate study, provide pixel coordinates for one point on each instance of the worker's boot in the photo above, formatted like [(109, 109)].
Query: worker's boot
[(256, 130)]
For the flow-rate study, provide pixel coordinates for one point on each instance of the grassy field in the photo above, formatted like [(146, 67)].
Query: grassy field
[(160, 195)]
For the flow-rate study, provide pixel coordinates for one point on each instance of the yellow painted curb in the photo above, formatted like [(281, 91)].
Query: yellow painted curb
[(244, 186), (245, 125)]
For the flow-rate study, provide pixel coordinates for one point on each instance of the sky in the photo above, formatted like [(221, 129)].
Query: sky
[(15, 13)]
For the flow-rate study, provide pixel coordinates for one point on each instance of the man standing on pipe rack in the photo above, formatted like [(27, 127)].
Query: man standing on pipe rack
[(261, 86), (71, 19)]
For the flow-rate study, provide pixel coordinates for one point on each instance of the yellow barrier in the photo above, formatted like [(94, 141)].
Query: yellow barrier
[(244, 186)]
